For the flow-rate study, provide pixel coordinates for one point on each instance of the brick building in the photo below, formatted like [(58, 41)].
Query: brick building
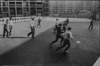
[(23, 7)]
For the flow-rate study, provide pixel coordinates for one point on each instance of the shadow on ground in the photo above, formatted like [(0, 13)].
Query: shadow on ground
[(37, 52)]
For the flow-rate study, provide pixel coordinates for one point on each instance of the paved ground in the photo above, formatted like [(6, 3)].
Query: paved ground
[(20, 50)]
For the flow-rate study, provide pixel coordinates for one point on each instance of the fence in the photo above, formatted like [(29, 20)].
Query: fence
[(16, 19)]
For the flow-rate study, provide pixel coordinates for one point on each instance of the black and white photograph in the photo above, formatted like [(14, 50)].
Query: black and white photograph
[(49, 33)]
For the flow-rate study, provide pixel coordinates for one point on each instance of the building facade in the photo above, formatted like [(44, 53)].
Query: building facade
[(13, 8), (72, 8), (45, 7)]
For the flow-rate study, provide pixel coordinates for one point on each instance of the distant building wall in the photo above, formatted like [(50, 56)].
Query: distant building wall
[(71, 8), (23, 7)]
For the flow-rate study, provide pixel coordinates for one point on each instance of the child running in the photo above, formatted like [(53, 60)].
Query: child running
[(67, 36), (55, 28)]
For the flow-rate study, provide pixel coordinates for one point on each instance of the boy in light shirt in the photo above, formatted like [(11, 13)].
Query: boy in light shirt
[(55, 28), (67, 36), (10, 26), (32, 26)]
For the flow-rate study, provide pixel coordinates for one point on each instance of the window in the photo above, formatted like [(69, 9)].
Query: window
[(46, 10), (26, 14), (19, 10), (32, 4), (47, 4), (46, 0), (26, 9), (5, 3), (12, 11), (5, 14), (11, 3), (32, 0), (25, 4), (19, 3), (39, 8), (5, 9), (25, 0), (4, 0), (39, 2), (33, 11)]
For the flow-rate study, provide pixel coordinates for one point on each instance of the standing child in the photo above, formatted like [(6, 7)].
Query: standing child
[(39, 22), (55, 28), (91, 24), (32, 26), (6, 29), (10, 26)]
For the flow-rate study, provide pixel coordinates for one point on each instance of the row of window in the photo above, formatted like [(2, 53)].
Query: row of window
[(23, 0), (15, 19), (19, 3), (21, 12), (26, 4), (5, 9)]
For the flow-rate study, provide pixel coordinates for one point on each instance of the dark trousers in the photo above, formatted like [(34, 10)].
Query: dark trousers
[(5, 31), (32, 31), (66, 42), (91, 26), (58, 37)]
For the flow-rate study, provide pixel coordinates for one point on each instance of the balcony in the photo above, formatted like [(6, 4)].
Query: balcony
[(33, 4), (39, 5), (18, 4), (11, 4)]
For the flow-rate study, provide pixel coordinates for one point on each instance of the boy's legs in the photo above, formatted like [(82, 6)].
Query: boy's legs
[(61, 39), (91, 26), (64, 44), (33, 32), (4, 31), (38, 24), (57, 37), (30, 32), (68, 46), (7, 33), (10, 29)]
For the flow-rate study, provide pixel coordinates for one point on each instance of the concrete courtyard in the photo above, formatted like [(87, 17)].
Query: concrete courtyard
[(21, 50)]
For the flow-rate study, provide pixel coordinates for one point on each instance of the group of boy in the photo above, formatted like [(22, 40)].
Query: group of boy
[(7, 28), (63, 32)]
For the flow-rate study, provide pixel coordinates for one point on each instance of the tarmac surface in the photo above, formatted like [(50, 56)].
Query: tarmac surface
[(21, 50)]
